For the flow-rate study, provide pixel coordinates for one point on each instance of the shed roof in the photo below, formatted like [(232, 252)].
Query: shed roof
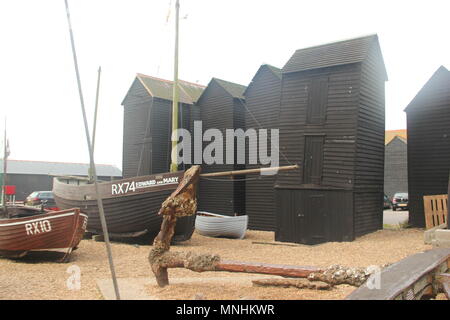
[(441, 77), (234, 89), (332, 54), (276, 71), (163, 89), (58, 168), (391, 134)]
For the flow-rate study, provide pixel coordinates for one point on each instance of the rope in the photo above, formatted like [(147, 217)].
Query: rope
[(259, 126)]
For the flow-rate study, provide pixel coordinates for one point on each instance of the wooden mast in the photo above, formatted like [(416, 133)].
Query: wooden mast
[(174, 163), (91, 158), (4, 176)]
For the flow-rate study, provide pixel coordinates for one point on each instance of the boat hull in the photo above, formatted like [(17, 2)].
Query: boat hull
[(129, 211), (215, 225), (56, 230)]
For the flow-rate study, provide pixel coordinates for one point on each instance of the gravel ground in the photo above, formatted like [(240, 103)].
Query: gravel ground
[(38, 277)]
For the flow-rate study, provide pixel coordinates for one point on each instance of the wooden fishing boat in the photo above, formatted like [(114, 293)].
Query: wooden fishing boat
[(420, 276), (131, 205), (217, 225), (30, 229)]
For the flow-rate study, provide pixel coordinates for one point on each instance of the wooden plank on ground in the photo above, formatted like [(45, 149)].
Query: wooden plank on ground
[(402, 275)]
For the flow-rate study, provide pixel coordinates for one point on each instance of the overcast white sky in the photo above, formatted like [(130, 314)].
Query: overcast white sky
[(225, 39)]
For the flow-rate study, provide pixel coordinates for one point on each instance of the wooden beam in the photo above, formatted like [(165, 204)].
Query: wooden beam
[(249, 171)]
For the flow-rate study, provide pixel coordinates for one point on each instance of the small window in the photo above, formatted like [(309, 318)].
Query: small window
[(317, 101)]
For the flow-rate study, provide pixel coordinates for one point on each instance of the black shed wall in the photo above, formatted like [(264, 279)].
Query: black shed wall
[(263, 104), (147, 132), (395, 167), (219, 195), (428, 119)]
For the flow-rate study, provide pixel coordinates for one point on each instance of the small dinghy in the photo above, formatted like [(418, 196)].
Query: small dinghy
[(217, 225)]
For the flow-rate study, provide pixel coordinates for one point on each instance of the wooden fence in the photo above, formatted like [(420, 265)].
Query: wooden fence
[(435, 210)]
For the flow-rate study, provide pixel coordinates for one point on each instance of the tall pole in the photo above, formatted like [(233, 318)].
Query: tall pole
[(94, 130), (174, 165), (5, 156), (92, 163)]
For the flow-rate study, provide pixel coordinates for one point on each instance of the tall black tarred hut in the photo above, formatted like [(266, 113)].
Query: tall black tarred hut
[(428, 124), (262, 98), (332, 118), (396, 166), (147, 124), (221, 106)]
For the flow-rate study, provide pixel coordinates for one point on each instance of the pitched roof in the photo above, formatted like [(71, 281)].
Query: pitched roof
[(440, 78), (276, 71), (160, 88), (234, 89), (391, 134), (58, 168), (332, 54)]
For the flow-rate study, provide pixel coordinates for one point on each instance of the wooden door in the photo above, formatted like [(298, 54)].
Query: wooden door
[(313, 160), (316, 218)]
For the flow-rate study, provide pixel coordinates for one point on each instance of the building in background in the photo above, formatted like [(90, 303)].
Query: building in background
[(147, 123), (29, 176), (428, 125), (395, 162)]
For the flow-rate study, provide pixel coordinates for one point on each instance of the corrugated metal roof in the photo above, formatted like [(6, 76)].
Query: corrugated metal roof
[(58, 168), (234, 89), (163, 89), (331, 54)]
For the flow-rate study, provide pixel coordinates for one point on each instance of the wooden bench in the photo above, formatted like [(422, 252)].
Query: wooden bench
[(435, 210)]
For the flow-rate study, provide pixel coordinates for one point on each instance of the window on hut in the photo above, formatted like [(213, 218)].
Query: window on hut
[(318, 99)]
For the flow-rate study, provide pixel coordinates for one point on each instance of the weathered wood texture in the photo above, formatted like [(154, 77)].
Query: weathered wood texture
[(409, 278), (262, 108), (332, 122), (436, 210), (221, 110), (428, 118), (147, 128), (396, 167)]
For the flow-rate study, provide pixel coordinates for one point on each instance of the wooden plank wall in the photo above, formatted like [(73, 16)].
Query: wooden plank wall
[(339, 128), (395, 167), (217, 194), (369, 166), (135, 108), (263, 101), (428, 126)]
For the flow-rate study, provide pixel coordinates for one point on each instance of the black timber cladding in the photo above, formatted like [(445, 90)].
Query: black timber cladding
[(396, 166), (262, 98), (332, 123), (428, 119), (221, 106), (147, 123)]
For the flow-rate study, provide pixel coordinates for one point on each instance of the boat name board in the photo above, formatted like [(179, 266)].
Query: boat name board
[(38, 227), (126, 187)]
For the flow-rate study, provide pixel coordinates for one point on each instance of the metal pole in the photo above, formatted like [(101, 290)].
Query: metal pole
[(96, 108), (174, 165), (92, 163), (5, 156), (94, 130)]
